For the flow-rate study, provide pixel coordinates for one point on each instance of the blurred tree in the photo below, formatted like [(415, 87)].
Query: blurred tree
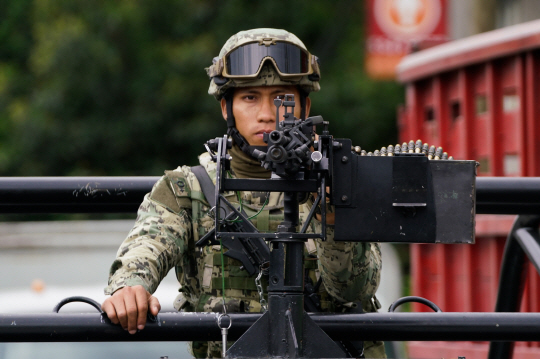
[(119, 88)]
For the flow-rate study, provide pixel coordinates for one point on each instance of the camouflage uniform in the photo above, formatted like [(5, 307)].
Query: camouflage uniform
[(174, 215)]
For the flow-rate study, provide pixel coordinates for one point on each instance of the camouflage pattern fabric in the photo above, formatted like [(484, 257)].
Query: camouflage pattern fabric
[(244, 37), (174, 215)]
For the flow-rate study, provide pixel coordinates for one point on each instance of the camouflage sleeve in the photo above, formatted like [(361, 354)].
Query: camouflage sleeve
[(350, 271), (156, 243)]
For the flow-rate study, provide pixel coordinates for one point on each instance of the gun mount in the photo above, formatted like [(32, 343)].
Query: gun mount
[(396, 199)]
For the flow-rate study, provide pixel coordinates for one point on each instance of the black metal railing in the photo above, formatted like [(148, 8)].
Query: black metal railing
[(494, 195), (73, 327), (523, 242)]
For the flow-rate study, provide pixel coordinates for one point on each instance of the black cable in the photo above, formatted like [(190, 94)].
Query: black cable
[(421, 300), (67, 300)]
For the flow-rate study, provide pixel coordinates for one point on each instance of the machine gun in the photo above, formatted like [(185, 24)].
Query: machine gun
[(400, 198)]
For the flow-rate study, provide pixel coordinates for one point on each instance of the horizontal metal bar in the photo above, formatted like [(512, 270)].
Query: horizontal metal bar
[(92, 327), (508, 195), (73, 194), (285, 236), (493, 207), (203, 326), (433, 326), (274, 185), (496, 195)]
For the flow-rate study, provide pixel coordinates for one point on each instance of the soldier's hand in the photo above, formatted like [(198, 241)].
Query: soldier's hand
[(330, 215), (330, 218), (128, 307)]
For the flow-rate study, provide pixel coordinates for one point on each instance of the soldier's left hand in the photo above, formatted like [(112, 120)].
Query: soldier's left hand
[(128, 306), (330, 216)]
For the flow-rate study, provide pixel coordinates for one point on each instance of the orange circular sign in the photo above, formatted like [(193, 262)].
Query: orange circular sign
[(407, 19)]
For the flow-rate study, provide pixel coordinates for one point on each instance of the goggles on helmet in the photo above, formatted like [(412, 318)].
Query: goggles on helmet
[(245, 61)]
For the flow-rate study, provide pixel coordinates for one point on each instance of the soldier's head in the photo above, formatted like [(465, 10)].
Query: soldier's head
[(253, 68)]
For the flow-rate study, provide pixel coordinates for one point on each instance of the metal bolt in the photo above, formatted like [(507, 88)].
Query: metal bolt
[(316, 156), (344, 198), (344, 159)]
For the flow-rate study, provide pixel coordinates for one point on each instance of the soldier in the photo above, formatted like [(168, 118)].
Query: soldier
[(252, 69)]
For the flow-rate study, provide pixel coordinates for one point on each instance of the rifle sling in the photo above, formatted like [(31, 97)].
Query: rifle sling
[(207, 186), (209, 189)]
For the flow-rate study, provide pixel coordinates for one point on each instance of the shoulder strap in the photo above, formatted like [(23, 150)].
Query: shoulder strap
[(207, 186)]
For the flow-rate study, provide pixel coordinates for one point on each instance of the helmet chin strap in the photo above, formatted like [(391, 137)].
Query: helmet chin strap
[(239, 140)]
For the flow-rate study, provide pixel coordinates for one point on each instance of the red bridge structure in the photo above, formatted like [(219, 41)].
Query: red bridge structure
[(478, 98)]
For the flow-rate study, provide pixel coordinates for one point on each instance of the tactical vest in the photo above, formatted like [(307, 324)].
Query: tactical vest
[(200, 275)]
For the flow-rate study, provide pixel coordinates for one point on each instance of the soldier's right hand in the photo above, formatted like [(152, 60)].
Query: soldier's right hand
[(128, 307)]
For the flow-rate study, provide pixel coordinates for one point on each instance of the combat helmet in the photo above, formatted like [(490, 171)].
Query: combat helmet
[(262, 57), (242, 62)]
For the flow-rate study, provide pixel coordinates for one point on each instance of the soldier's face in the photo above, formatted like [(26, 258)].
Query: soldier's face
[(255, 112)]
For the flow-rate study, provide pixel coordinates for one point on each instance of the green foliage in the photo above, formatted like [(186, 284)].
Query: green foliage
[(118, 87)]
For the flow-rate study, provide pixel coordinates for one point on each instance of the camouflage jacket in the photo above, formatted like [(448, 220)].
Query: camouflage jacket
[(174, 215)]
